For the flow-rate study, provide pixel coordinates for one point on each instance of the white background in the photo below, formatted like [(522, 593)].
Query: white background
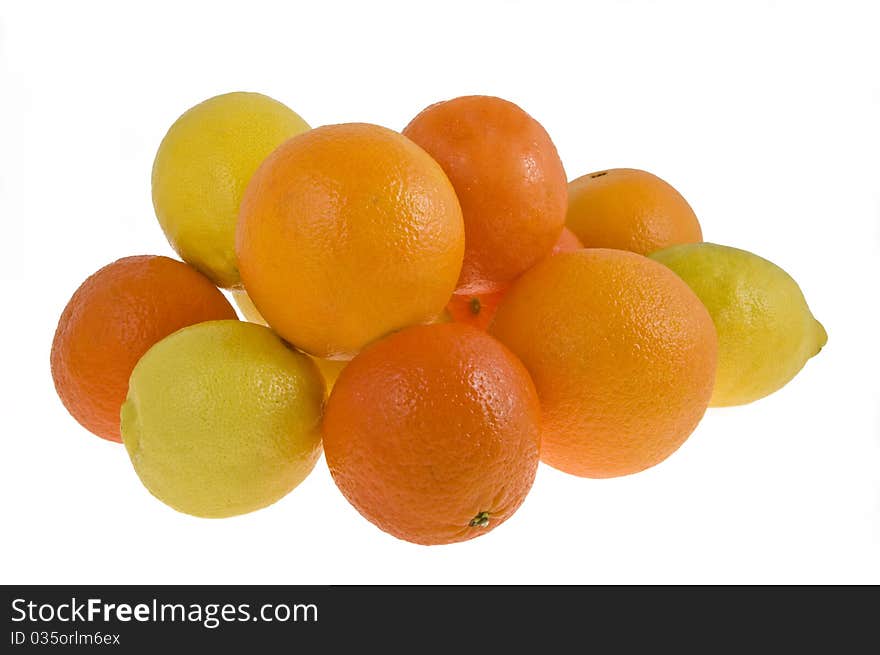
[(764, 115)]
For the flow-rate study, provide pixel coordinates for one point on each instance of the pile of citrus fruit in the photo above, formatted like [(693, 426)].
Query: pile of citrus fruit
[(437, 309)]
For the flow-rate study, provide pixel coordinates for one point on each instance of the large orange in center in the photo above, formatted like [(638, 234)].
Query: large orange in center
[(346, 233)]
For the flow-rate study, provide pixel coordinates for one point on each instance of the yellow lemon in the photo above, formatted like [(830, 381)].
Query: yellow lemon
[(223, 418), (766, 332), (202, 168)]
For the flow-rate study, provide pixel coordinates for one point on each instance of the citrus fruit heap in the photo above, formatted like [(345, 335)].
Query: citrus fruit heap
[(437, 308)]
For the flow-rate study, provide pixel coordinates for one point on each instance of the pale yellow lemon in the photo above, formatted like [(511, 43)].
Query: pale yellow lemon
[(223, 418), (202, 167), (766, 331)]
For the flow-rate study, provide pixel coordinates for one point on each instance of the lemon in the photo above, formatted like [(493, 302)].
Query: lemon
[(222, 418), (330, 368), (202, 168), (766, 332)]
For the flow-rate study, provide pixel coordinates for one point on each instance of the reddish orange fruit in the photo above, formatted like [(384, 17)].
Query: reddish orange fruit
[(508, 178), (115, 317), (622, 354), (474, 310), (567, 242), (432, 433), (629, 209), (478, 310)]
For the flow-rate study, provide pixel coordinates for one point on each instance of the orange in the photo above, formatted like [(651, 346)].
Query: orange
[(622, 353), (432, 433), (629, 209), (567, 242), (478, 310), (474, 309), (346, 233), (114, 317), (509, 180)]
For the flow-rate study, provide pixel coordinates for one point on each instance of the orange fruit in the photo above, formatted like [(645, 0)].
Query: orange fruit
[(479, 309), (432, 433), (509, 180), (476, 310), (626, 367), (567, 242), (346, 233), (114, 317), (629, 209)]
